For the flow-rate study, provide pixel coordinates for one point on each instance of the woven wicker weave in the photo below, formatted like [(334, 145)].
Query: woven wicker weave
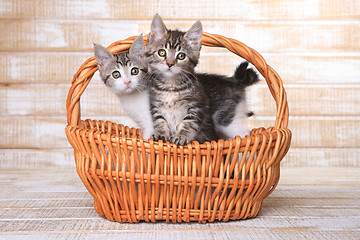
[(132, 179)]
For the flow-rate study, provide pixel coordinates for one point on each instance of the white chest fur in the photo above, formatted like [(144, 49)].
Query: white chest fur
[(137, 106)]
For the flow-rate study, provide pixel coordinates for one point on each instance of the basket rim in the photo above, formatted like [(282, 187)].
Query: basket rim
[(260, 138), (213, 144)]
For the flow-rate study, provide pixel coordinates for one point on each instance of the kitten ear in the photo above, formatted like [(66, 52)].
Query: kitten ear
[(158, 29), (193, 36), (137, 48), (103, 56)]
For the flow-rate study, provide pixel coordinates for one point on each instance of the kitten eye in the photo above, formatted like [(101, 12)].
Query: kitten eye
[(134, 71), (116, 74), (162, 53), (181, 56)]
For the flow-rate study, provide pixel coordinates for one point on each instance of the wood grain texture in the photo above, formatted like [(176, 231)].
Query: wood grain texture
[(97, 100), (48, 132), (172, 9), (38, 132), (295, 68), (305, 205), (70, 35), (64, 158), (37, 158), (327, 208), (190, 233), (309, 100), (322, 157), (39, 67)]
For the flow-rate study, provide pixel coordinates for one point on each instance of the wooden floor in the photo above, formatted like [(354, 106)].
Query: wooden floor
[(309, 203)]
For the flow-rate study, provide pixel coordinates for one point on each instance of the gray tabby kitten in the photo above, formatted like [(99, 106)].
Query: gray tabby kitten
[(124, 74), (228, 105), (178, 103)]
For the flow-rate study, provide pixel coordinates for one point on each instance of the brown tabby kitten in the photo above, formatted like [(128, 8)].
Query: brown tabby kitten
[(178, 103)]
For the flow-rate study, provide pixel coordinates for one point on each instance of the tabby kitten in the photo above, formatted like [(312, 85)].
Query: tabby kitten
[(228, 105), (178, 103), (124, 74)]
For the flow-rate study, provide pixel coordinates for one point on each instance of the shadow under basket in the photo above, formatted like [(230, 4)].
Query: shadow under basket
[(132, 179)]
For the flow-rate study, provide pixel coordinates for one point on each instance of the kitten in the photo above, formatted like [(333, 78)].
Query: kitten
[(124, 74), (178, 103), (228, 105)]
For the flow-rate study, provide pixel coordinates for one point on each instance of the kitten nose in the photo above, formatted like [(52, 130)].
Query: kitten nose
[(170, 62), (127, 82)]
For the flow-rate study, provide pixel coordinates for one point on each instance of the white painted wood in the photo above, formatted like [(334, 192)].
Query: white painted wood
[(48, 132), (43, 100), (322, 157), (64, 158), (299, 68), (63, 35), (309, 100), (37, 158), (172, 9)]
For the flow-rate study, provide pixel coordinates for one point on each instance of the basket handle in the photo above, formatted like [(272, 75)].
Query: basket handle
[(83, 76)]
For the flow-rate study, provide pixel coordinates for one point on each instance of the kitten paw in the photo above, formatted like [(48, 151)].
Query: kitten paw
[(179, 140), (158, 136)]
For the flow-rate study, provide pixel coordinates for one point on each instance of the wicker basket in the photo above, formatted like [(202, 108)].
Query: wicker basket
[(132, 179)]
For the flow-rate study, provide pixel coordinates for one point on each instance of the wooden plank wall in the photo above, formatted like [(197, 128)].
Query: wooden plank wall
[(313, 45)]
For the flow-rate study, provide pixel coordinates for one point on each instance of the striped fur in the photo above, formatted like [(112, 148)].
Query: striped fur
[(178, 103)]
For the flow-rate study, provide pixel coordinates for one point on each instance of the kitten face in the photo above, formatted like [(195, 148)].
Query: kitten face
[(123, 73), (173, 52), (170, 61)]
